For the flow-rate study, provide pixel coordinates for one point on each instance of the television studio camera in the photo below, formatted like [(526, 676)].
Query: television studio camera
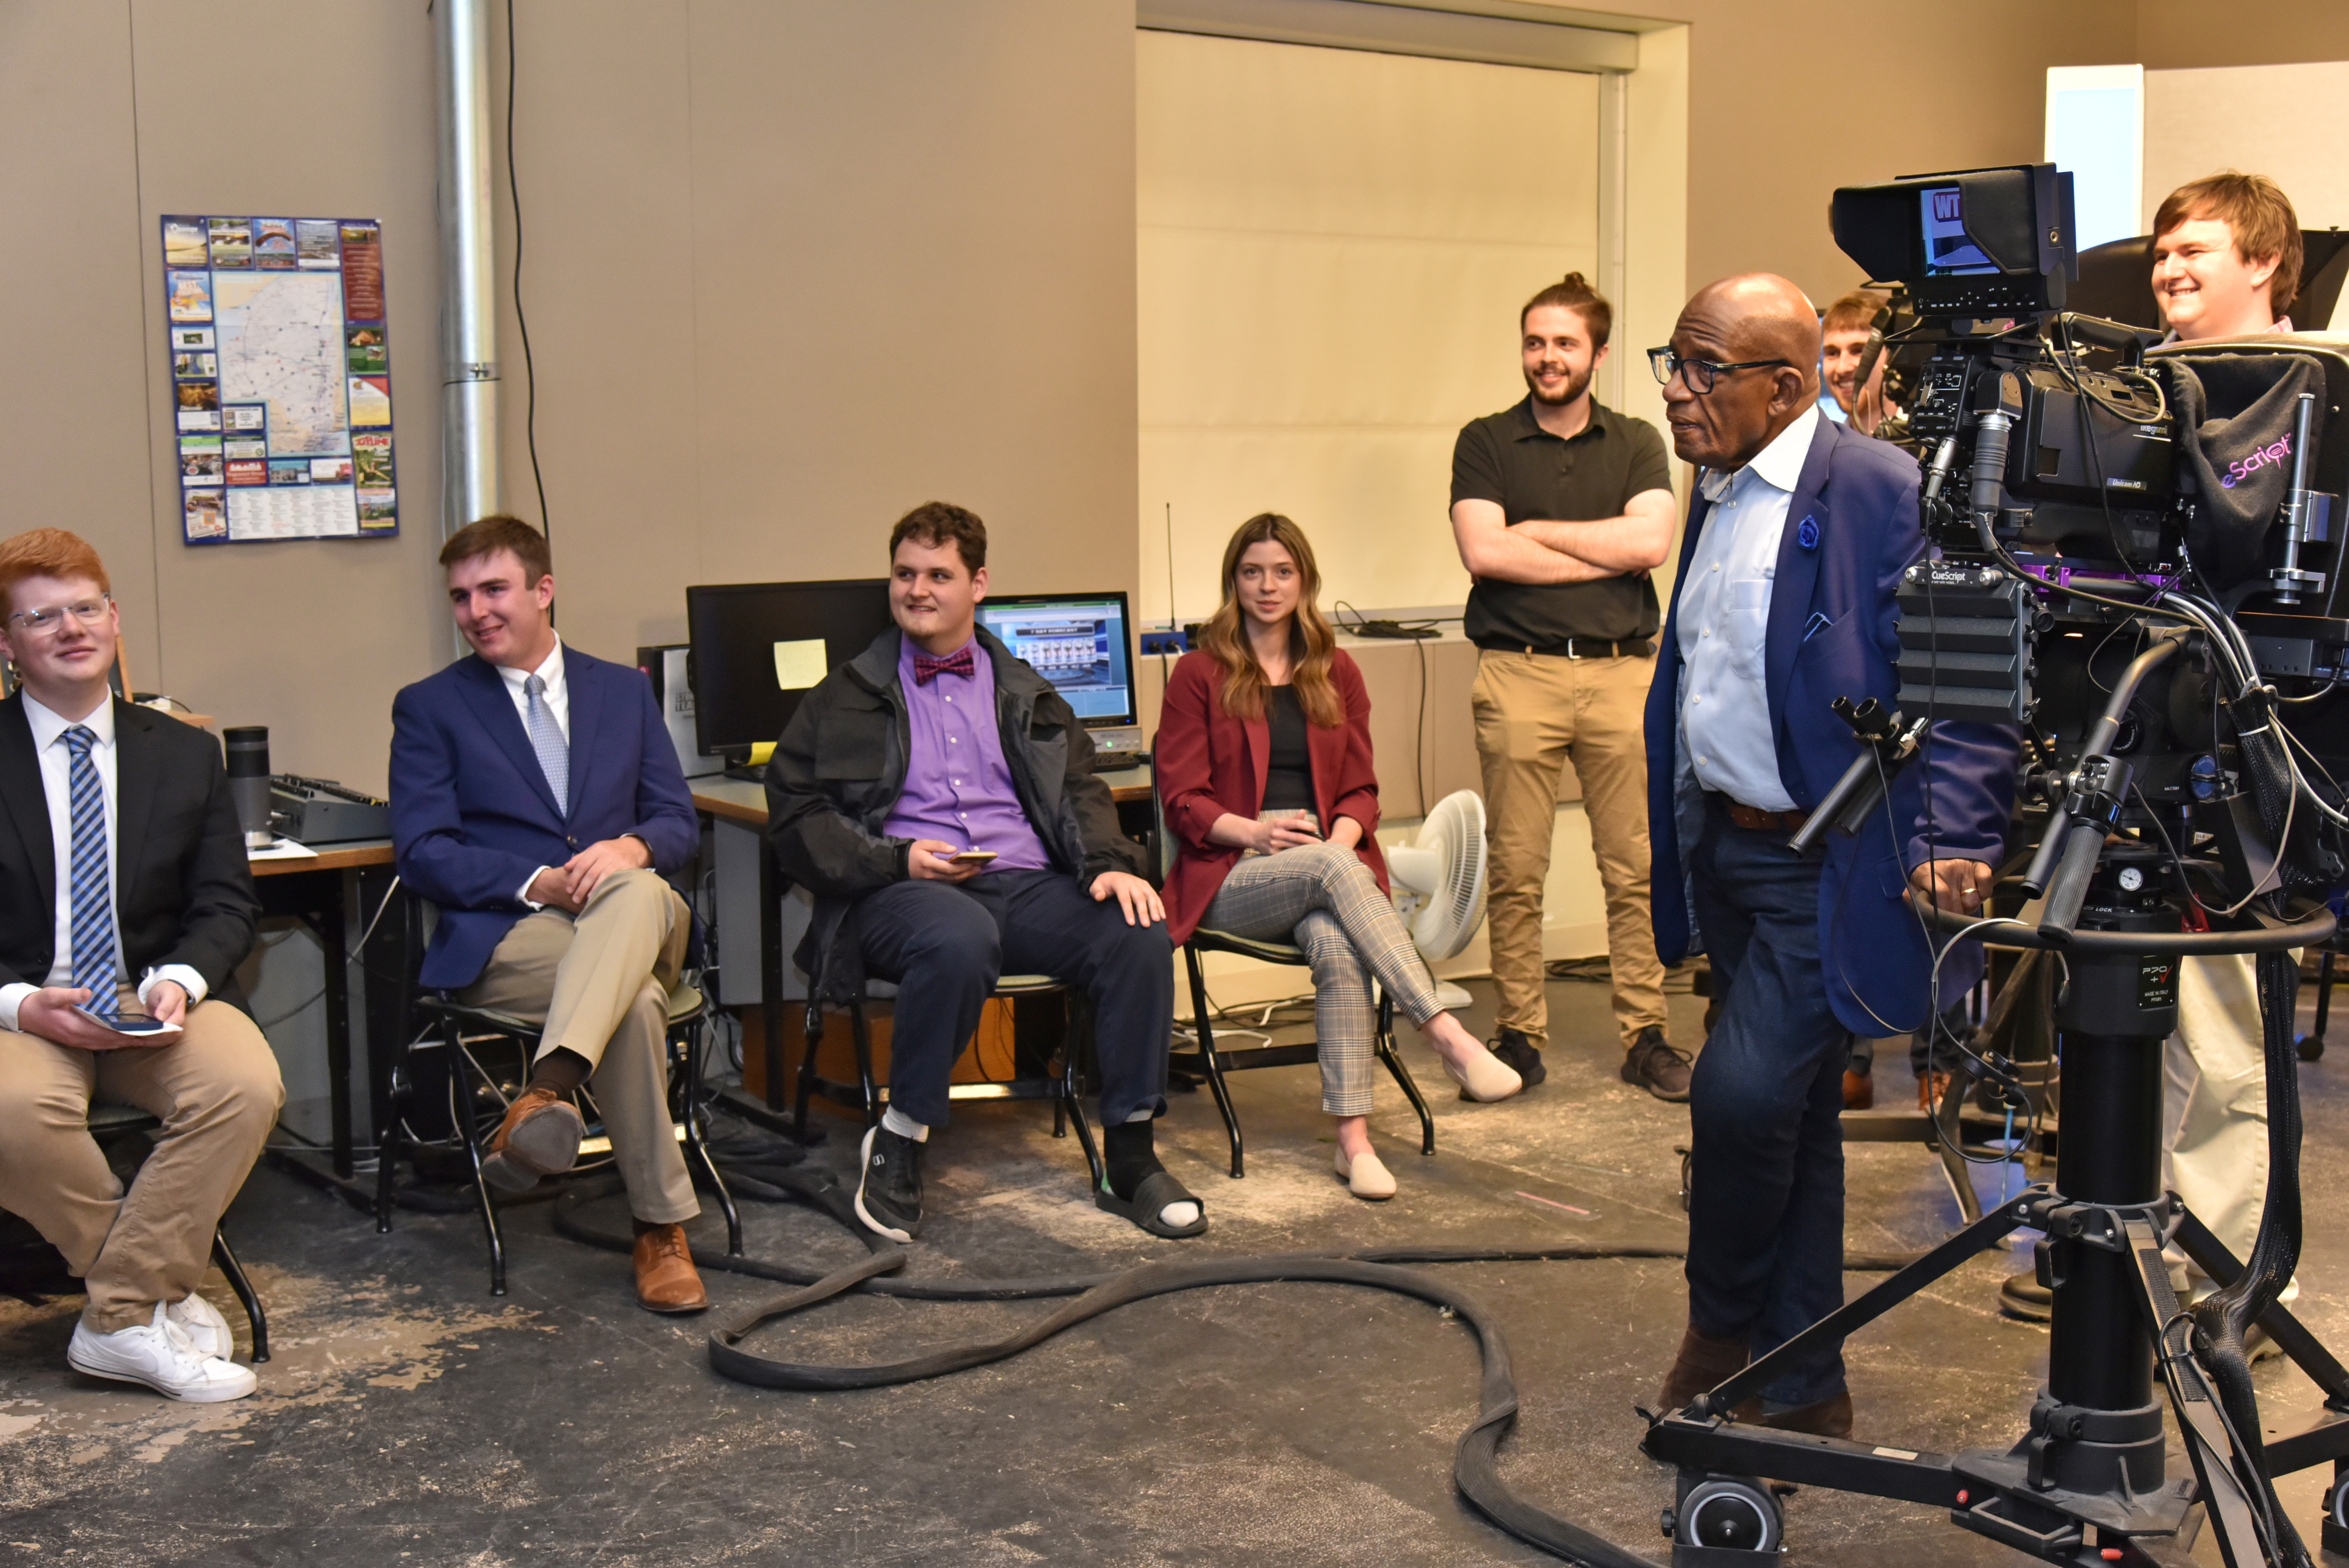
[(2136, 563)]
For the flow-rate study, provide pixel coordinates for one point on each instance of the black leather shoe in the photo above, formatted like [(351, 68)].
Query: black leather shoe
[(889, 1185), (1518, 1054), (1656, 1066)]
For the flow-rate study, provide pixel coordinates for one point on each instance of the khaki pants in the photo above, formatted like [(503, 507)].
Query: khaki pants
[(217, 1090), (600, 980), (1532, 712), (2215, 1106)]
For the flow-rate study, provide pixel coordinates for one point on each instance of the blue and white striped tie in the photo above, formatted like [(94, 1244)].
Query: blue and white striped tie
[(546, 739), (92, 901)]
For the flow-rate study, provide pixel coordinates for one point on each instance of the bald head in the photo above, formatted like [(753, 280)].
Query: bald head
[(1754, 317)]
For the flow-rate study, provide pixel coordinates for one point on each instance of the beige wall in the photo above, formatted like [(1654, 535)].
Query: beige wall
[(790, 269)]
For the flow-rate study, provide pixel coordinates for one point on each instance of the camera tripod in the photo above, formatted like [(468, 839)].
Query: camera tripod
[(2087, 1483)]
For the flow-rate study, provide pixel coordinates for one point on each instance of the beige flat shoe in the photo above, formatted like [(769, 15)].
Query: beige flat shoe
[(1486, 1077), (1367, 1178)]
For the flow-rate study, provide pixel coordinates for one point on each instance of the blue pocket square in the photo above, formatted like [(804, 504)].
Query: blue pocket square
[(1819, 622)]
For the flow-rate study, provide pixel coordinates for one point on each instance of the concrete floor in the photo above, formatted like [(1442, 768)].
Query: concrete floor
[(411, 1417)]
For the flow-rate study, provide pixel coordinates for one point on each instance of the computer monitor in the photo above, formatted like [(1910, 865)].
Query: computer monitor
[(1079, 641), (757, 647)]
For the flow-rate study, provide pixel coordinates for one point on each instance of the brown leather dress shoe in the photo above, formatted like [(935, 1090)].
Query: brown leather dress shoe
[(1704, 1359), (539, 1137), (1859, 1091), (666, 1280), (1930, 1090), (1827, 1418)]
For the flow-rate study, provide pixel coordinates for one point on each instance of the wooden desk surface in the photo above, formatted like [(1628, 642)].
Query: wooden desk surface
[(742, 800), (331, 858)]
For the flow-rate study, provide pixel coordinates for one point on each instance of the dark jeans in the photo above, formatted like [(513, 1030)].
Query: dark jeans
[(1765, 1201), (944, 943)]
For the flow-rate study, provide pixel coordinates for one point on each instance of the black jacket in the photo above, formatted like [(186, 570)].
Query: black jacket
[(840, 767), (182, 884)]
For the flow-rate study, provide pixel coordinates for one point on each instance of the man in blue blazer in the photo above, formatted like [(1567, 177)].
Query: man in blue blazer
[(1795, 543), (536, 799)]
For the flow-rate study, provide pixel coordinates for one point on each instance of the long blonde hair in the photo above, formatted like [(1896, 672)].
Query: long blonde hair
[(1311, 641)]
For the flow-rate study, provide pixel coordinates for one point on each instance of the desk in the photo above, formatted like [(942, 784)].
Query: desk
[(311, 889), (744, 802)]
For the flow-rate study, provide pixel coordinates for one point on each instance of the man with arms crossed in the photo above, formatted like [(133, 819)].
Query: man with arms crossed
[(124, 890), (1797, 537), (1561, 507), (937, 797), (536, 799)]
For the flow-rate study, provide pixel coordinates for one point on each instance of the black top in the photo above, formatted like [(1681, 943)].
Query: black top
[(1289, 781), (1509, 460)]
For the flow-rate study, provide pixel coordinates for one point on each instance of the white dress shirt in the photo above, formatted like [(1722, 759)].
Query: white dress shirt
[(56, 783), (557, 697), (1724, 621)]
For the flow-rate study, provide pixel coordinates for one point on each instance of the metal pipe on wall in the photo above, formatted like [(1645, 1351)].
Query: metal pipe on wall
[(471, 482)]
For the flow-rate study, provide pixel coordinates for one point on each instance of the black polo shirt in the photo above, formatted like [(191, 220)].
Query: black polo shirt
[(1510, 460)]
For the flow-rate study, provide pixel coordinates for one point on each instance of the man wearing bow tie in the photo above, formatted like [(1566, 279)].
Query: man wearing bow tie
[(536, 799), (934, 748)]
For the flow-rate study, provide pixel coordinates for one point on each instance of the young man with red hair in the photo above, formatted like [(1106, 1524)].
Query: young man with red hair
[(126, 902)]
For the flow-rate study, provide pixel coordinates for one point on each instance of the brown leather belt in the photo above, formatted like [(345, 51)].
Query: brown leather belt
[(1756, 820)]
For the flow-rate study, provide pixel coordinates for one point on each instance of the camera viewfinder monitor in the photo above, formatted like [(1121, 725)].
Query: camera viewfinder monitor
[(1082, 644), (1984, 244), (758, 647)]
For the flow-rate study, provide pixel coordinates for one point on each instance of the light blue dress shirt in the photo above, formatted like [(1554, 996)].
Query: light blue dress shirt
[(1724, 621)]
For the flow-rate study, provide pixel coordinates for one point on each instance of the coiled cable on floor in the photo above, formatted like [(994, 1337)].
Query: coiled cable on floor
[(1476, 1465)]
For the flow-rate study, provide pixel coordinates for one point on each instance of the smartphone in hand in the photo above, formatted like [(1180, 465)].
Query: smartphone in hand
[(130, 1023), (971, 858)]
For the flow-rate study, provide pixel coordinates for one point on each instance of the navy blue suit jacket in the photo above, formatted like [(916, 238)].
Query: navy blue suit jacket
[(472, 815), (1831, 633)]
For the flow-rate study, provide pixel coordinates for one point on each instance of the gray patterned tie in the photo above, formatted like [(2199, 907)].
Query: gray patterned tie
[(546, 739)]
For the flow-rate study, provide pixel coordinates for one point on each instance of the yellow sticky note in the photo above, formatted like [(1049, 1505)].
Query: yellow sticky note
[(800, 665), (762, 753)]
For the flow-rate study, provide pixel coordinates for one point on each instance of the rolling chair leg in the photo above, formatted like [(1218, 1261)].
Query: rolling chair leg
[(1393, 1060), (460, 1111), (1212, 1063), (811, 1035), (863, 1034), (697, 1150), (387, 1158), (234, 1271)]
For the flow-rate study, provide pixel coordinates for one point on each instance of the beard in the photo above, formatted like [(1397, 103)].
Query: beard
[(1574, 387)]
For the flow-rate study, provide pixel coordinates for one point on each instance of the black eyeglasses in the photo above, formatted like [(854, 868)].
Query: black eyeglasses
[(1700, 373)]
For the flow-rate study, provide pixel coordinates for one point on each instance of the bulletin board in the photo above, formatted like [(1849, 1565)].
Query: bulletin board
[(281, 379)]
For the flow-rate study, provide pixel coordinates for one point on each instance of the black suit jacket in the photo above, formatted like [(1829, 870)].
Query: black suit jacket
[(182, 884)]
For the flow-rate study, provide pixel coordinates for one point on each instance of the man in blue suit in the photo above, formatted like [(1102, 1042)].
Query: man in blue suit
[(1796, 543), (536, 799)]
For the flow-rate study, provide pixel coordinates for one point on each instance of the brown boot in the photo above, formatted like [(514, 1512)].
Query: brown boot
[(1704, 1359), (666, 1278), (1859, 1091), (539, 1137), (1827, 1418), (1930, 1090)]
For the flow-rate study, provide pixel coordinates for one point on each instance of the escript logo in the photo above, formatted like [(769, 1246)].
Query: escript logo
[(2243, 469)]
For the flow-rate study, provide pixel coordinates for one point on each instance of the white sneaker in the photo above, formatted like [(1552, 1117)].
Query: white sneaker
[(159, 1354), (206, 1329)]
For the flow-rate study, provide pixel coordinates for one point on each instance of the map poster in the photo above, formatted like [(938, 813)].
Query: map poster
[(281, 377)]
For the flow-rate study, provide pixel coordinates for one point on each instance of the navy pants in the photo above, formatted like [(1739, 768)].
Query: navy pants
[(945, 943), (1765, 1181)]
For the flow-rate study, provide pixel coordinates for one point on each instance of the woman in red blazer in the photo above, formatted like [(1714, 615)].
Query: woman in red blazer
[(1263, 763)]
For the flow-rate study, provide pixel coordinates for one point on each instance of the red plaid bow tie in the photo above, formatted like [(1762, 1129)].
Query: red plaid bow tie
[(926, 669)]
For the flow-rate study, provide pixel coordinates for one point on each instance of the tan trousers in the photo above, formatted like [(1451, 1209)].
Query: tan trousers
[(600, 980), (2215, 1155), (1532, 712), (217, 1090)]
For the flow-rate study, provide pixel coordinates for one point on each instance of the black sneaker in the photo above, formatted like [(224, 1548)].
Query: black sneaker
[(889, 1185), (1656, 1066), (1514, 1051)]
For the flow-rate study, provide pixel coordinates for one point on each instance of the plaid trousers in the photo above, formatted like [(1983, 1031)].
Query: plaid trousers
[(1323, 899)]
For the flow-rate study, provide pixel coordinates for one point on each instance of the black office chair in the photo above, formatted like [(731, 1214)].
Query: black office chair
[(1064, 1088), (1206, 1060), (108, 1121), (460, 1027)]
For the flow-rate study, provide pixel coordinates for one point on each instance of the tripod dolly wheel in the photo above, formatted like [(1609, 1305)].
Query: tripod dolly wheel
[(1723, 1515), (2311, 1046)]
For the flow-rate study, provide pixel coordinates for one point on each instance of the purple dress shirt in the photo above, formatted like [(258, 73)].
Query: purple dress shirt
[(958, 787)]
